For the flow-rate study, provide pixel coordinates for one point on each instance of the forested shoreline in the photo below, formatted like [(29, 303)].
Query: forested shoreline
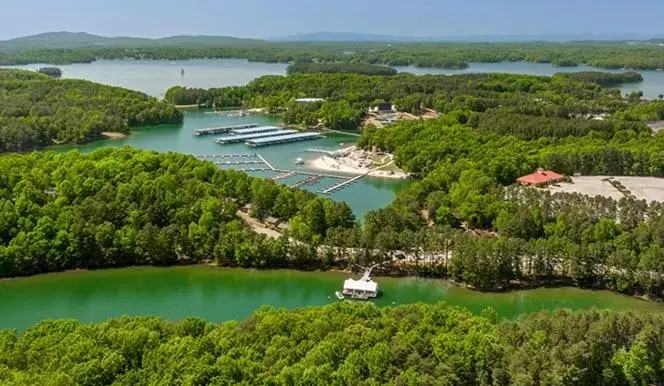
[(120, 207), (610, 55), (37, 110), (343, 343)]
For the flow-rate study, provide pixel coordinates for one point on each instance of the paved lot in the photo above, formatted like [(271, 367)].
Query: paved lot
[(644, 188)]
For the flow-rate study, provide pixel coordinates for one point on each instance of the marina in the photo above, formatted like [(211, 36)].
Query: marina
[(282, 139), (241, 138), (224, 129)]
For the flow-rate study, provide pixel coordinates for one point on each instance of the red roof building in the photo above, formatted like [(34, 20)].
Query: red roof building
[(540, 178)]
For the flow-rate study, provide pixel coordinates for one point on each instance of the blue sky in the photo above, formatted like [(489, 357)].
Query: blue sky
[(263, 18)]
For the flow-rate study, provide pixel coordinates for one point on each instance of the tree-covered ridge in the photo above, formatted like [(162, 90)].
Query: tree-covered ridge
[(604, 79), (343, 344), (340, 68), (442, 55), (37, 110), (128, 207), (499, 101)]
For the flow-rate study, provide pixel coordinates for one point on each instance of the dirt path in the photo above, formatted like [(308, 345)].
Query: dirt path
[(257, 226)]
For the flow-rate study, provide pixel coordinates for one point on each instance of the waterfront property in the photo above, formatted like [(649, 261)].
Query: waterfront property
[(241, 138), (282, 139), (224, 129)]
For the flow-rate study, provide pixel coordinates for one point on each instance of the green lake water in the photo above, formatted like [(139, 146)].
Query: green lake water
[(220, 294)]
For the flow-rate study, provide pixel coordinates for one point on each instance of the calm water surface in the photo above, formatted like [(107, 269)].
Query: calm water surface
[(652, 85), (223, 294), (154, 77)]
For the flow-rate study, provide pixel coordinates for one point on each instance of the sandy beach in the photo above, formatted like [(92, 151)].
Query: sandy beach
[(113, 135), (357, 162)]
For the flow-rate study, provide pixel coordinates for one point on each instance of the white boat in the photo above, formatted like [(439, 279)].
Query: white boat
[(339, 295), (299, 161)]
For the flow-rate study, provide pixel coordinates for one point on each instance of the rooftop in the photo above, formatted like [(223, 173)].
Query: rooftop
[(361, 285), (541, 176), (283, 137), (251, 130)]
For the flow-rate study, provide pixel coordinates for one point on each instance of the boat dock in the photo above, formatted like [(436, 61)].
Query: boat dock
[(284, 176), (307, 181), (243, 137), (254, 129), (341, 184), (224, 129), (274, 140)]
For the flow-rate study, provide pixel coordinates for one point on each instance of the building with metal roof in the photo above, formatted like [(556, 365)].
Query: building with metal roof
[(273, 140), (241, 138), (252, 130)]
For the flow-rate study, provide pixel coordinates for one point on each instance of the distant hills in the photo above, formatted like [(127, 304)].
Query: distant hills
[(361, 37), (70, 40)]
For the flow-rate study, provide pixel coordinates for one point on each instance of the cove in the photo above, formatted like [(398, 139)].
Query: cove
[(365, 195), (221, 294)]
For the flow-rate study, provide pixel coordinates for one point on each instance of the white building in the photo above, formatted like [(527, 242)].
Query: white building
[(360, 289)]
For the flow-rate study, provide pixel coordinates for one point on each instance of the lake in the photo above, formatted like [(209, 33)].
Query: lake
[(366, 194), (154, 77), (221, 294)]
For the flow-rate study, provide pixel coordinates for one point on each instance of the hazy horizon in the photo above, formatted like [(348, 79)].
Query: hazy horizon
[(262, 19)]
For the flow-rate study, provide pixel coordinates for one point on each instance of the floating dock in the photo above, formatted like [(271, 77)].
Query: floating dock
[(254, 129), (241, 138), (341, 185), (274, 140), (224, 129)]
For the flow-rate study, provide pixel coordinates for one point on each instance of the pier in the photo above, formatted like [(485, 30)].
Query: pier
[(341, 184), (307, 181), (224, 129)]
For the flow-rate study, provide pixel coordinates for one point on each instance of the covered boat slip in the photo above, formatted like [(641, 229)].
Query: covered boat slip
[(360, 289), (273, 140), (243, 137)]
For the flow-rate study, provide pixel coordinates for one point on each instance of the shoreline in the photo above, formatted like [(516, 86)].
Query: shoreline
[(354, 161), (522, 287)]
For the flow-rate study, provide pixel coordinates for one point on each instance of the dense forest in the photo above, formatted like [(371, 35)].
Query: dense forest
[(612, 55), (343, 344), (37, 110), (129, 207), (340, 68)]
